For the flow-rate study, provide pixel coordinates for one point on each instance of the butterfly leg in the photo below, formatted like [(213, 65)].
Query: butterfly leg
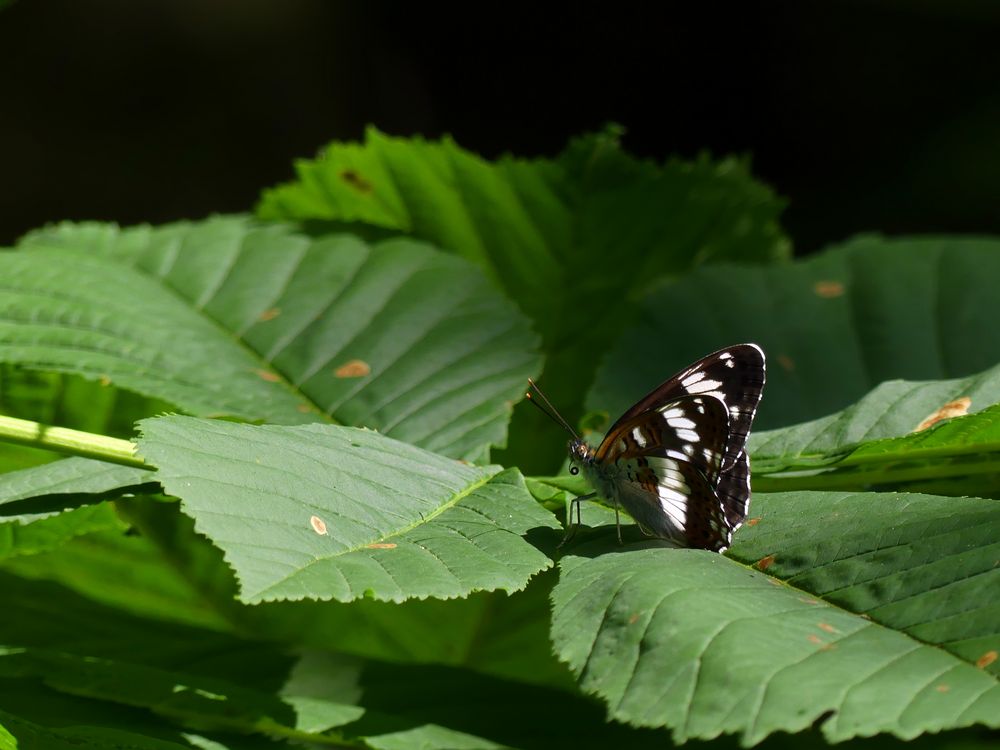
[(570, 526), (618, 524)]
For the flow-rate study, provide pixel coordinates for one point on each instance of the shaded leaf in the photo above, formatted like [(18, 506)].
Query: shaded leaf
[(31, 494), (329, 512), (834, 326), (226, 317), (573, 240)]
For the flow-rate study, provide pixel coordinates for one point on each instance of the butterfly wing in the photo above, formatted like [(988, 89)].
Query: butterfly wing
[(680, 452), (735, 375), (673, 499), (693, 429)]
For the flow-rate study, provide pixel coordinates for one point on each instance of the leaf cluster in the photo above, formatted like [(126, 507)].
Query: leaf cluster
[(308, 505)]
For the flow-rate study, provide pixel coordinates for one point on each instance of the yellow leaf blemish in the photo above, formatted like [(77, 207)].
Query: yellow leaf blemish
[(318, 524), (957, 408), (986, 659), (828, 289), (356, 368)]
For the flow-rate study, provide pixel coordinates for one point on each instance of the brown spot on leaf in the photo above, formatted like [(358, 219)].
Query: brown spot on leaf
[(270, 314), (957, 408), (104, 380), (765, 562), (807, 600), (356, 181), (828, 647), (633, 619), (381, 545), (267, 375), (942, 688), (986, 659), (353, 369), (828, 289), (753, 521), (813, 638), (787, 362), (826, 626), (318, 524), (305, 409)]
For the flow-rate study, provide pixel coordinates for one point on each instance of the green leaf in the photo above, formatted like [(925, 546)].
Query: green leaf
[(573, 240), (42, 491), (329, 512), (892, 410), (534, 225), (45, 506), (261, 323), (875, 615), (834, 326)]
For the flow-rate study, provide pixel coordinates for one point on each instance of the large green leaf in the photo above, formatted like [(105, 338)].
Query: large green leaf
[(573, 240), (862, 613), (833, 326), (326, 512), (226, 317)]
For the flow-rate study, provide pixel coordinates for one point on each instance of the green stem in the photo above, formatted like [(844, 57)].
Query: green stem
[(73, 442)]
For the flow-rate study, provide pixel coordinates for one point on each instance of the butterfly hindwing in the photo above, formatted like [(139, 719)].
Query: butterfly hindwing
[(673, 499)]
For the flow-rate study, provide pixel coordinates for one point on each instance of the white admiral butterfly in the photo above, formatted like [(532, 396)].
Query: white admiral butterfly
[(677, 461)]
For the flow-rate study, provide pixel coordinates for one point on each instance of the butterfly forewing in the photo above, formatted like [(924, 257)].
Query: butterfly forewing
[(694, 429), (734, 375)]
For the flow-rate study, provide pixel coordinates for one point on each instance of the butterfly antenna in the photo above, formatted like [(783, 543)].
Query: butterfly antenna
[(548, 409)]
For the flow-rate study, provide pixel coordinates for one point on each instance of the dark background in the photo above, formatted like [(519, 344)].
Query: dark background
[(864, 115)]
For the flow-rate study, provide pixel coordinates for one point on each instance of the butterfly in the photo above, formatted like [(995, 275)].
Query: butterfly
[(676, 461)]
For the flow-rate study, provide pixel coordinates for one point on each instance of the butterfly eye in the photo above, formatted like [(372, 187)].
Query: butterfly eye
[(574, 470)]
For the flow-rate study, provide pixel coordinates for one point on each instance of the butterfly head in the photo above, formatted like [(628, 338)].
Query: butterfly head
[(579, 454)]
